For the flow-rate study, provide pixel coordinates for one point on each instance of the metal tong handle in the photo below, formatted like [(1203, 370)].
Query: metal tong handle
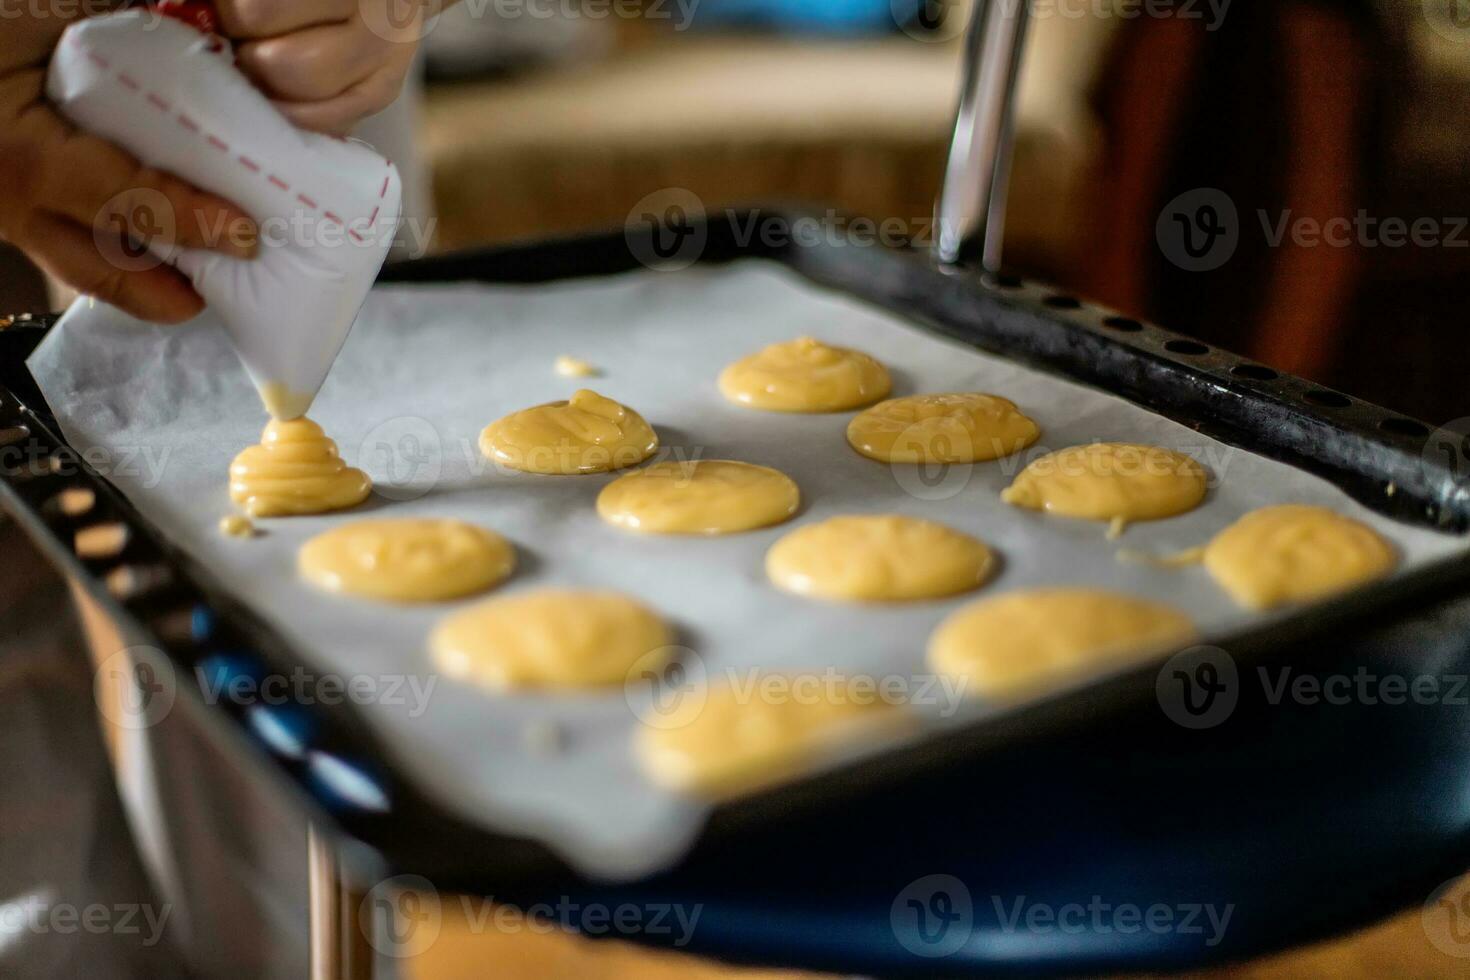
[(970, 213)]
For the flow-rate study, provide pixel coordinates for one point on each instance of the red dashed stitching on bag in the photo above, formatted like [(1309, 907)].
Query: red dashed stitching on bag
[(131, 83)]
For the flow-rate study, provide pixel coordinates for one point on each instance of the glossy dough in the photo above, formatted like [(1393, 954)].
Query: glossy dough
[(877, 557), (406, 560), (1295, 553), (585, 434), (1023, 642), (1107, 481), (963, 427), (703, 497), (805, 375), (552, 638), (295, 470)]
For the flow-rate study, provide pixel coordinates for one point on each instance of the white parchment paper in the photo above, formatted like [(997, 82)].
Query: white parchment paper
[(162, 411)]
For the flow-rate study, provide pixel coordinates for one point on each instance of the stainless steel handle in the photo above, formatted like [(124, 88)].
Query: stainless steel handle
[(970, 213)]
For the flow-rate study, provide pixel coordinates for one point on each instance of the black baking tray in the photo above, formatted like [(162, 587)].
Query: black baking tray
[(1303, 823)]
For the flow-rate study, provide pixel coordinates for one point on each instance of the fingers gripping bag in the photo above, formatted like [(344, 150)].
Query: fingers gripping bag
[(166, 89)]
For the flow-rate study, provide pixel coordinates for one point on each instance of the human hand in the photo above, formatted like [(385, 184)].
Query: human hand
[(76, 204), (327, 64)]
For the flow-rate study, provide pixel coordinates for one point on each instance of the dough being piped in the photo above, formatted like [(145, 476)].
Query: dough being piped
[(963, 427), (805, 375), (742, 740), (585, 434), (883, 557), (1023, 642), (406, 560), (295, 470), (714, 496), (1295, 553), (553, 638), (1110, 481)]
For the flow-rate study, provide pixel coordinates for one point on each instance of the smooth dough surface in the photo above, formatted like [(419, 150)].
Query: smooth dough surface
[(295, 470), (1295, 553), (961, 427), (735, 744), (1110, 481), (585, 434), (551, 638), (714, 496), (805, 375), (406, 560), (883, 557), (1022, 642)]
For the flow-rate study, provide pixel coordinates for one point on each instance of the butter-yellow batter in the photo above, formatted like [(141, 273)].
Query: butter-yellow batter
[(746, 738), (585, 434), (805, 375), (1295, 553), (1020, 643), (295, 470), (964, 427), (1110, 481), (283, 403), (885, 557), (406, 560), (714, 496), (554, 638), (574, 367), (236, 526)]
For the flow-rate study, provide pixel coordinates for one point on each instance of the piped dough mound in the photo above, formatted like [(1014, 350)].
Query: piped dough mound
[(1295, 553), (1110, 481), (587, 433), (295, 470), (805, 375), (1023, 642), (714, 496), (406, 560), (878, 557), (962, 427)]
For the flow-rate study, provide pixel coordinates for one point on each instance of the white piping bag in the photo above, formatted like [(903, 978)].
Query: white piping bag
[(328, 209)]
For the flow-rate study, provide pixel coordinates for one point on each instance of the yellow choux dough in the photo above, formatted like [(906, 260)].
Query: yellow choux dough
[(884, 557), (1110, 481), (704, 497), (963, 427), (295, 470), (585, 434), (805, 375), (406, 560), (741, 740), (1295, 553), (552, 638), (1022, 642)]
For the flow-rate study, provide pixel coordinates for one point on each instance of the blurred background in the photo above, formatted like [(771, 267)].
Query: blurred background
[(1311, 150)]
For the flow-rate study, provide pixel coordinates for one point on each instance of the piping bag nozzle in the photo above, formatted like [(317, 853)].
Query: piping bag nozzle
[(327, 209)]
